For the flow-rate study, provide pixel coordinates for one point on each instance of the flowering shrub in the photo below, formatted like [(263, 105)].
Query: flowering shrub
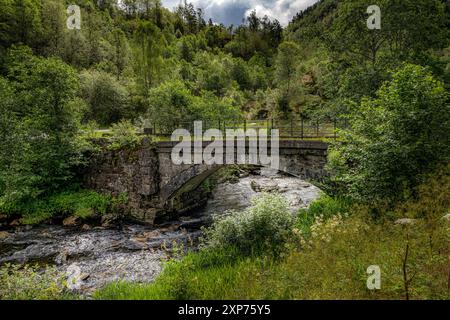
[(29, 282), (264, 227)]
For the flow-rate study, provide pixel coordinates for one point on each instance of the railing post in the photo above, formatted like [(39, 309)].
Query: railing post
[(302, 125), (245, 124), (317, 128), (335, 128), (292, 128)]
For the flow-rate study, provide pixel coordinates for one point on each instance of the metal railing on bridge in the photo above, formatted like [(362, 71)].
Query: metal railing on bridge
[(288, 129)]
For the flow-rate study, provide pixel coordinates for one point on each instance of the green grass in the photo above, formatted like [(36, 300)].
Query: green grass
[(331, 266), (198, 275), (32, 282), (82, 203), (327, 257), (324, 207)]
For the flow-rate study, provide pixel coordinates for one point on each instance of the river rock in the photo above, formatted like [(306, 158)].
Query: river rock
[(84, 276), (255, 186), (264, 187), (170, 228), (4, 235), (71, 221), (109, 221), (244, 174), (86, 227), (405, 221), (151, 234), (15, 223)]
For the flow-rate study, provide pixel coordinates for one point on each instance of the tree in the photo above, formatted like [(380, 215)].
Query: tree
[(150, 43), (121, 51), (54, 27), (172, 104), (285, 72), (43, 125), (409, 28), (394, 138), (286, 63), (213, 72), (106, 98), (20, 23), (241, 74)]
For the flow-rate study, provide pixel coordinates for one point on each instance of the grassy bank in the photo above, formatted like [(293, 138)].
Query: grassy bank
[(84, 204), (322, 253), (324, 256)]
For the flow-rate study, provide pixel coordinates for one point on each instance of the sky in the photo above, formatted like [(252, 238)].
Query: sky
[(233, 11)]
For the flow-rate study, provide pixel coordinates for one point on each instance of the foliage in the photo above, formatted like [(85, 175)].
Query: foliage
[(263, 228), (394, 138), (123, 135), (172, 105), (323, 208), (84, 204), (330, 262), (43, 122), (32, 283), (409, 28), (106, 98)]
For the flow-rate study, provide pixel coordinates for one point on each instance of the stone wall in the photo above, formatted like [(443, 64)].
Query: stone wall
[(134, 172)]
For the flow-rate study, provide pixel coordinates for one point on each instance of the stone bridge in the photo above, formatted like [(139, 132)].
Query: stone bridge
[(156, 187)]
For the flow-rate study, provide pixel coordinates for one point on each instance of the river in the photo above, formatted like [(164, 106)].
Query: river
[(135, 252)]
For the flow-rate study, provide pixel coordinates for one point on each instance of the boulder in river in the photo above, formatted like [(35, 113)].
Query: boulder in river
[(71, 221), (4, 235)]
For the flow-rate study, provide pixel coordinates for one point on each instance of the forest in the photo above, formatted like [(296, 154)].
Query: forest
[(138, 64)]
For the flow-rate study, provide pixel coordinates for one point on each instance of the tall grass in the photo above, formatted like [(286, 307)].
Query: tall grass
[(328, 253)]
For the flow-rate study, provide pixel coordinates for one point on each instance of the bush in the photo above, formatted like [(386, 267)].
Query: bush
[(331, 261), (265, 227), (123, 135), (82, 203), (325, 207), (31, 283), (107, 99), (38, 127), (394, 138)]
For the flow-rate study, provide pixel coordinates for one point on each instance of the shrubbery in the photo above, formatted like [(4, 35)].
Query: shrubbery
[(123, 135), (394, 138), (336, 243), (32, 283), (325, 207), (83, 204), (265, 227)]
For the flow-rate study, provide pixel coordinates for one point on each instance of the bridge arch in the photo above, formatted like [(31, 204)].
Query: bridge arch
[(302, 159)]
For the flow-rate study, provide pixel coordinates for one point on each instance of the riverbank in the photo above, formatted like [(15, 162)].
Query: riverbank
[(133, 252), (334, 257)]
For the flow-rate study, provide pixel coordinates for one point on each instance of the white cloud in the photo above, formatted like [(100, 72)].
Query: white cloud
[(233, 11)]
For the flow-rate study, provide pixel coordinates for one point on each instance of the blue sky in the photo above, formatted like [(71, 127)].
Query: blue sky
[(232, 11)]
